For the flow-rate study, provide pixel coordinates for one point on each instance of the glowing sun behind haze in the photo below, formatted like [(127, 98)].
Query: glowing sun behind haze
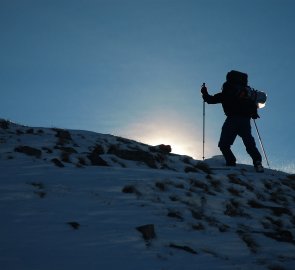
[(169, 129)]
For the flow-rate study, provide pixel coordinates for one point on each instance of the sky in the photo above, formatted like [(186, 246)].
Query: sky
[(134, 68)]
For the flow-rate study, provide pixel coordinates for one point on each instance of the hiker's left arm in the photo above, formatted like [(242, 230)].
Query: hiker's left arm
[(217, 98)]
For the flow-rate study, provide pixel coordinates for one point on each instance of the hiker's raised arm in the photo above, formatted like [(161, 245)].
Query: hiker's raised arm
[(217, 98)]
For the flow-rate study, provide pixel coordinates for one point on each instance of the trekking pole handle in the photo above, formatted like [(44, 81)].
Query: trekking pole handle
[(204, 89), (203, 85)]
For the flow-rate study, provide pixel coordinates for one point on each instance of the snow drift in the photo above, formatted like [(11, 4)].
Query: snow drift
[(81, 200)]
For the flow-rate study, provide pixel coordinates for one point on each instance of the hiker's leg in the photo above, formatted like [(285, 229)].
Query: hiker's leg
[(227, 138), (249, 141)]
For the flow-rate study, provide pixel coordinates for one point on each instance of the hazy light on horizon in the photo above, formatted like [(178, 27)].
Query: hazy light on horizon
[(169, 128)]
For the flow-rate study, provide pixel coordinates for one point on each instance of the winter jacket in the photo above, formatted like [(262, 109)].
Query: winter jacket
[(232, 101)]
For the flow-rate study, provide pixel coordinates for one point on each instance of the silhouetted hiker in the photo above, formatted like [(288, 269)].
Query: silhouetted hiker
[(239, 110)]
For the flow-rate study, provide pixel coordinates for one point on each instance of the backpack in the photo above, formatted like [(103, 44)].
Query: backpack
[(238, 82), (259, 97), (237, 78)]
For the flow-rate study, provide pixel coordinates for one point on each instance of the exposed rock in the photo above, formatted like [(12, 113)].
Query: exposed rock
[(4, 124), (63, 136), (148, 231), (69, 150), (75, 225), (131, 189), (41, 194), (134, 155), (248, 240), (233, 178), (96, 160), (161, 148), (185, 248), (98, 150), (189, 169), (31, 151), (175, 214), (30, 131), (281, 235), (57, 162), (47, 149), (203, 167)]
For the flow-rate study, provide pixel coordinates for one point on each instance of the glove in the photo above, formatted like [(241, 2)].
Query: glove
[(204, 90)]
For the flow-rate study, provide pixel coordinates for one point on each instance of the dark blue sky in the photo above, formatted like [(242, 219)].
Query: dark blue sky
[(134, 68)]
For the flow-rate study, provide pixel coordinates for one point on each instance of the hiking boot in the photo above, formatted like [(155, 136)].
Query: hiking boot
[(259, 168)]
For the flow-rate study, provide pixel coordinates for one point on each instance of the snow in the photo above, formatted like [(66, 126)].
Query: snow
[(80, 216)]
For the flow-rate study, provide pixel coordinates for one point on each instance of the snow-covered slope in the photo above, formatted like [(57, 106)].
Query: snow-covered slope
[(81, 200)]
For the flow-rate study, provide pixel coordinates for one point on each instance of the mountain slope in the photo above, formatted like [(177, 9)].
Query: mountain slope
[(76, 199)]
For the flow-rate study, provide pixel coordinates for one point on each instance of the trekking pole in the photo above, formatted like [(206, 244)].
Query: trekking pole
[(261, 144), (203, 85)]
